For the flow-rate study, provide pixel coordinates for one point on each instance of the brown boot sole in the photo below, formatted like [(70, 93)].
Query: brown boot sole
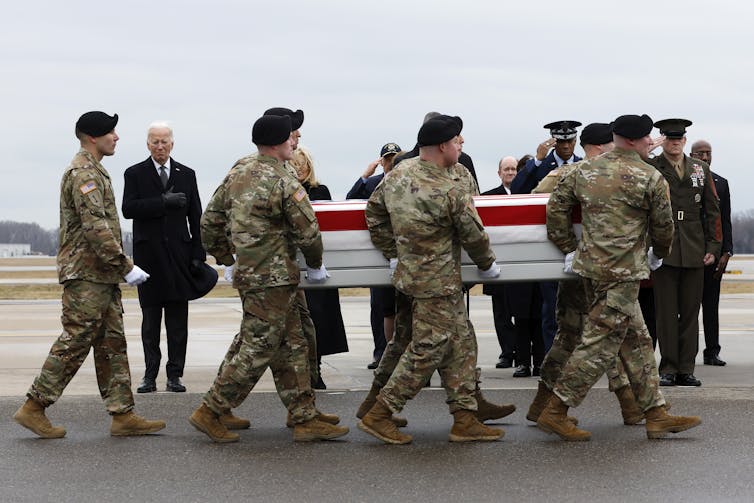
[(376, 434), (675, 429), (310, 437), (484, 438), (219, 440), (544, 427), (136, 433), (41, 434)]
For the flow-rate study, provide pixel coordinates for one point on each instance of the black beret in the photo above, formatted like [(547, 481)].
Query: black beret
[(271, 130), (389, 148), (96, 123), (633, 127), (563, 130), (439, 130), (297, 117), (673, 128), (597, 133)]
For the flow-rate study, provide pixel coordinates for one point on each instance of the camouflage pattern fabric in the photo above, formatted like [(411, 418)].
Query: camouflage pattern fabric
[(614, 326), (400, 341), (268, 337), (441, 341), (420, 214), (624, 202), (92, 319), (90, 240)]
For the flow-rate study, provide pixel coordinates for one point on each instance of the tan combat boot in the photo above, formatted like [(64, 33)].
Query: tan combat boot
[(487, 411), (129, 424), (234, 422), (325, 418), (554, 419), (630, 410), (31, 415), (205, 420), (540, 402), (467, 428), (660, 423), (368, 403), (379, 423), (316, 429)]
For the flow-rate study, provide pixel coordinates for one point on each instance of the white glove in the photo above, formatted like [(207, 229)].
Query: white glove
[(654, 261), (393, 264), (228, 273), (317, 275), (492, 272), (136, 276), (568, 262)]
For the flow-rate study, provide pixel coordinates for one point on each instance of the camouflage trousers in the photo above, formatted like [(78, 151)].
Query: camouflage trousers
[(441, 340), (613, 327), (571, 309), (270, 336), (92, 318)]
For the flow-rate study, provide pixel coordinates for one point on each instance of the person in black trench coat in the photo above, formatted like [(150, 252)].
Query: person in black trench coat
[(324, 304), (162, 198)]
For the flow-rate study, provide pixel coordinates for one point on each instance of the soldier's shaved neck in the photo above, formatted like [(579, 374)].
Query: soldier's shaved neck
[(434, 155)]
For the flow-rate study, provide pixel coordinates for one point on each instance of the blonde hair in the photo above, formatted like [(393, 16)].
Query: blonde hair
[(302, 159)]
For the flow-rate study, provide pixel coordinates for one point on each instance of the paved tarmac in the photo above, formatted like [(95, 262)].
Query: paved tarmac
[(710, 463)]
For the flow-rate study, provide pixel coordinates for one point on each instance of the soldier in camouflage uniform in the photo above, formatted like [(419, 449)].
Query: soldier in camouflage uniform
[(463, 179), (424, 215), (624, 204), (572, 307), (266, 214), (90, 264)]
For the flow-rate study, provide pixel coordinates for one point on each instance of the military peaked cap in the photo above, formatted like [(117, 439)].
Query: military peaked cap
[(271, 130), (632, 127), (597, 133), (439, 130), (96, 123), (673, 128), (563, 130), (297, 117)]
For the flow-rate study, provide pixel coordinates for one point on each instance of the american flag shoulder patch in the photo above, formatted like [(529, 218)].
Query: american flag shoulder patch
[(88, 187), (299, 195)]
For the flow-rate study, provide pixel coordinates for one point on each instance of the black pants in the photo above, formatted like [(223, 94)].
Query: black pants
[(530, 348), (506, 331), (176, 326), (647, 304), (710, 316), (377, 320)]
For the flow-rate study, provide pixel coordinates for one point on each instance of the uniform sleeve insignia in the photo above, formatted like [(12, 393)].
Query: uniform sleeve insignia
[(299, 195), (88, 187)]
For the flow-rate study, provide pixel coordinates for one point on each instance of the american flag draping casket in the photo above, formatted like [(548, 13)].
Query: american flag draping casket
[(515, 224)]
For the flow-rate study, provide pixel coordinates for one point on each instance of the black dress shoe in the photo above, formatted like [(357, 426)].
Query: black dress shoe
[(504, 363), (147, 386), (667, 380), (319, 383), (373, 365), (522, 371), (535, 370), (687, 380), (175, 385), (714, 360)]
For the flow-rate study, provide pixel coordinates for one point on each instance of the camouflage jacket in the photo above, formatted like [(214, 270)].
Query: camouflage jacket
[(261, 213), (424, 214), (551, 179), (90, 239), (624, 201)]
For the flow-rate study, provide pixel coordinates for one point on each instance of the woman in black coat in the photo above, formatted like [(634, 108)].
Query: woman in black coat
[(324, 304)]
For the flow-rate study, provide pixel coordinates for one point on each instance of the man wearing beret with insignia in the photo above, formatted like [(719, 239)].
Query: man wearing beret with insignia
[(624, 206), (90, 265), (261, 214), (679, 283), (423, 217)]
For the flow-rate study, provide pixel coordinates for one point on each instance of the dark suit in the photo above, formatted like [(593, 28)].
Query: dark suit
[(711, 295), (363, 189), (527, 180), (165, 242), (679, 283)]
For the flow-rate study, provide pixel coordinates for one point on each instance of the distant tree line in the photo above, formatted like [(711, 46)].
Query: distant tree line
[(42, 241), (743, 231)]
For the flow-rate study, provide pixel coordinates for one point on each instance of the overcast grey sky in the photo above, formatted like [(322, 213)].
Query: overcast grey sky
[(365, 73)]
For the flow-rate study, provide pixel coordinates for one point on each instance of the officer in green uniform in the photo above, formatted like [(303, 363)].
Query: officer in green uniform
[(90, 264), (679, 283)]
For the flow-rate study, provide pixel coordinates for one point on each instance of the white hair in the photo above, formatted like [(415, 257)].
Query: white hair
[(160, 125)]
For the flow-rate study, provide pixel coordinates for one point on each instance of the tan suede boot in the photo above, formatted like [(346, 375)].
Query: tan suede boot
[(487, 411), (378, 423), (316, 429), (321, 416), (205, 420), (467, 428), (554, 419), (368, 403), (234, 422), (660, 423), (129, 424), (540, 402), (31, 415), (630, 410)]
